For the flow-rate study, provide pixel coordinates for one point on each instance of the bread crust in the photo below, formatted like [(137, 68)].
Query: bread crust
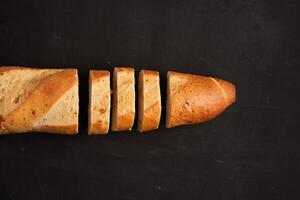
[(149, 100), (7, 68), (41, 100), (193, 99), (123, 113), (68, 129), (99, 106)]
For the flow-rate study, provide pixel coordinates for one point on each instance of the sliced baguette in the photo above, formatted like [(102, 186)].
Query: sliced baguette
[(40, 100), (123, 108), (193, 99), (99, 102), (149, 100)]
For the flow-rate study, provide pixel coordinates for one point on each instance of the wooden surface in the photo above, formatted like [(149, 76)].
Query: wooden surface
[(250, 152)]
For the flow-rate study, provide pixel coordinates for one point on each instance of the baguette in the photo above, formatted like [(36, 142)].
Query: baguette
[(149, 100), (99, 102), (193, 99), (123, 108), (39, 100)]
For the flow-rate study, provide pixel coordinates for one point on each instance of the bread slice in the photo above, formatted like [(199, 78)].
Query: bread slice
[(123, 108), (149, 100), (193, 99), (41, 100), (99, 102)]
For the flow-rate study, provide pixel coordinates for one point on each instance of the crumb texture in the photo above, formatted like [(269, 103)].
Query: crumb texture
[(123, 113), (38, 100), (99, 108), (149, 100)]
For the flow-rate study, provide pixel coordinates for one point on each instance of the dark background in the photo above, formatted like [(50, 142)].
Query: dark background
[(250, 152)]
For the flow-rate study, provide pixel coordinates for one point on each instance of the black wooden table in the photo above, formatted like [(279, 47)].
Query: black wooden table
[(250, 152)]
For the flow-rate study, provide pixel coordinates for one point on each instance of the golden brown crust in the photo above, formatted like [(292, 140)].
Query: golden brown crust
[(98, 127), (125, 122), (195, 99), (10, 68), (151, 118), (69, 129), (39, 102), (150, 72), (123, 112), (98, 74), (7, 68), (149, 100), (230, 90), (3, 129), (124, 69)]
